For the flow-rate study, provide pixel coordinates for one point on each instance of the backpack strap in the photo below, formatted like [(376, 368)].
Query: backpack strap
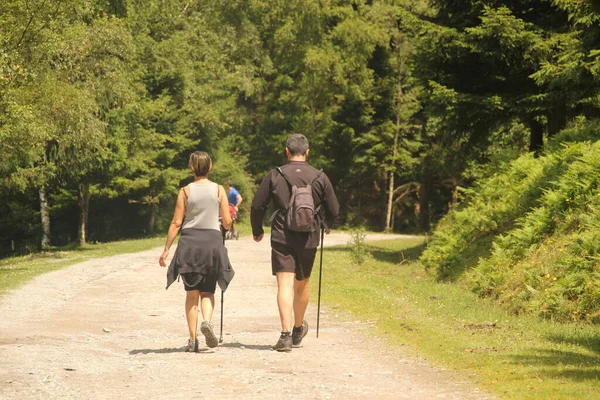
[(287, 179), (319, 172)]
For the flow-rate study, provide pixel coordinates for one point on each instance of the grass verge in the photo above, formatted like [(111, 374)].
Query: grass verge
[(512, 357), (16, 271)]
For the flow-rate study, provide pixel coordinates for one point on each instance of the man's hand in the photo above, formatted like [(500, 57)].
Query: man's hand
[(258, 238), (162, 261), (328, 231)]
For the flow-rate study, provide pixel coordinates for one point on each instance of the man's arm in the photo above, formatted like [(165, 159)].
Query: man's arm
[(330, 202), (259, 206), (239, 201)]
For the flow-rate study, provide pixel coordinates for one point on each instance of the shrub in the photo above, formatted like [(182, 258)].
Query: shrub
[(529, 236), (359, 252), (490, 209)]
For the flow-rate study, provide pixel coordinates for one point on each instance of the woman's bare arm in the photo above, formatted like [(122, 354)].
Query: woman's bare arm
[(175, 226)]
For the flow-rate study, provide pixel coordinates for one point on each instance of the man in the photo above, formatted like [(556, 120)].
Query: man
[(235, 199), (292, 253)]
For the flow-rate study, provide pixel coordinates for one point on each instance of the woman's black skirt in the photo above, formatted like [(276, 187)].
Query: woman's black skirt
[(201, 254)]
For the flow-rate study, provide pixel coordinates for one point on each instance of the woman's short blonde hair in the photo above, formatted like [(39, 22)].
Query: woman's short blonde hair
[(200, 163)]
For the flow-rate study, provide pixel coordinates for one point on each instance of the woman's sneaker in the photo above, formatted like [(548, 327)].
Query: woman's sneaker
[(284, 343), (298, 334), (192, 346), (207, 330)]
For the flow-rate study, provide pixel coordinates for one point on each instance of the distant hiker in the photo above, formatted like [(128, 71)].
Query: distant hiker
[(294, 232), (233, 196), (235, 201), (200, 259)]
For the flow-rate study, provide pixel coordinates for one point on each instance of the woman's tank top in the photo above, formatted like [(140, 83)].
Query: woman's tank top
[(202, 207)]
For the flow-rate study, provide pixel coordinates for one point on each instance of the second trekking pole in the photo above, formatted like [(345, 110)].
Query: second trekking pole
[(320, 275), (223, 232)]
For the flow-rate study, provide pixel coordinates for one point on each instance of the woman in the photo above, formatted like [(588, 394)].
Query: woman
[(200, 259)]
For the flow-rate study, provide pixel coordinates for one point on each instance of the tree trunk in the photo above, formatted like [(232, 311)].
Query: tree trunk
[(455, 184), (45, 215), (424, 204), (536, 136), (152, 219), (83, 200), (391, 183), (390, 202), (557, 118)]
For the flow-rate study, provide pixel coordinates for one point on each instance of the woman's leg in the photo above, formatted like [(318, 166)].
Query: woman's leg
[(207, 305), (191, 311)]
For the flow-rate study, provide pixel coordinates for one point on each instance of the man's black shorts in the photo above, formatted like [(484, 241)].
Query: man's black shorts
[(288, 259)]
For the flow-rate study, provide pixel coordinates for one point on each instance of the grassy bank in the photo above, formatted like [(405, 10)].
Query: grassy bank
[(528, 235), (512, 357), (16, 271)]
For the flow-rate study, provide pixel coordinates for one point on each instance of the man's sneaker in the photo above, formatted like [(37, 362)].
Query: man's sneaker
[(298, 334), (192, 346), (207, 330), (284, 343)]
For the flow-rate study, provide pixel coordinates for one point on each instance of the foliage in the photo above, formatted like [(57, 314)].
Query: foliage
[(407, 104), (491, 208), (497, 69), (527, 235), (111, 97), (548, 264), (358, 249)]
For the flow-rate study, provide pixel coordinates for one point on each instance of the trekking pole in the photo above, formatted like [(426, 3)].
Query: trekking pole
[(320, 274), (222, 294), (221, 331)]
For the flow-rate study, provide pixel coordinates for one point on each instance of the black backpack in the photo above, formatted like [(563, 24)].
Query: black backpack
[(301, 215)]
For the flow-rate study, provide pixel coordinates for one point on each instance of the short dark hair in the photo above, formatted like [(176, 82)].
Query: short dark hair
[(200, 163), (297, 144), (229, 183)]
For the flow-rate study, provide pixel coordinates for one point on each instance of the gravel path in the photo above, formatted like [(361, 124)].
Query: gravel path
[(107, 329)]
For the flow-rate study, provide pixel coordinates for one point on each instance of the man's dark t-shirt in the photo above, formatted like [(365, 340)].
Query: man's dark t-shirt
[(274, 186)]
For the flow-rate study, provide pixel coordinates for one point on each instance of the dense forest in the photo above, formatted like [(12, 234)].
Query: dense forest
[(408, 105)]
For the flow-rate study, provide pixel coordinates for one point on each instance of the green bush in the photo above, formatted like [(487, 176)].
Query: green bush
[(490, 209), (529, 236), (549, 264), (358, 249)]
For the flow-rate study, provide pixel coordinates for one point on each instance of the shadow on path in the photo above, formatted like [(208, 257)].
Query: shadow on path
[(161, 351), (238, 345), (234, 345)]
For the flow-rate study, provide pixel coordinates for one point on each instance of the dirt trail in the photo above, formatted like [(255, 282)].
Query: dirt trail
[(106, 329)]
